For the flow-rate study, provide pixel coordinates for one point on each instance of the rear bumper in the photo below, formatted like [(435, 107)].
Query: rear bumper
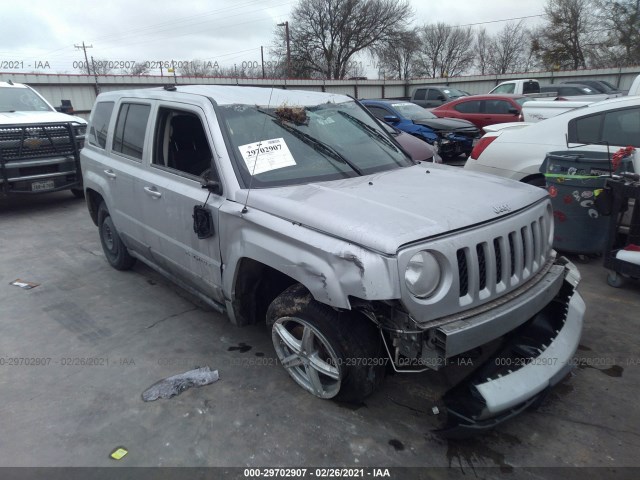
[(534, 358)]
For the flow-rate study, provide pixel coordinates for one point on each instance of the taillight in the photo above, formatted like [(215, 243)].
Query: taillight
[(561, 99), (481, 146)]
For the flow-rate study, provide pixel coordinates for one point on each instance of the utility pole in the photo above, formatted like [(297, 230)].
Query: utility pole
[(95, 76), (262, 58), (84, 47), (286, 32)]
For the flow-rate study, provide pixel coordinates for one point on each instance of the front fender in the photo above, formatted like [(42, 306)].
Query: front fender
[(330, 268)]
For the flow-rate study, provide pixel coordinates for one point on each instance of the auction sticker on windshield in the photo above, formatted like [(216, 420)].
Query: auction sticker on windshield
[(266, 155)]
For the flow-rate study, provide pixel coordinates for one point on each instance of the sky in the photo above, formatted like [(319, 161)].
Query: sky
[(41, 35)]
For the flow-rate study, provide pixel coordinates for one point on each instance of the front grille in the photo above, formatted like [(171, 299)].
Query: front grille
[(40, 170), (491, 266), (26, 142)]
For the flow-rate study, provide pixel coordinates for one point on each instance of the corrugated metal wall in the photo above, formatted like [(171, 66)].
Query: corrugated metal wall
[(80, 89)]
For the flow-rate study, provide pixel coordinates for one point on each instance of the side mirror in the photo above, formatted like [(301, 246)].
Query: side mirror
[(207, 182), (202, 221), (391, 119), (514, 111), (441, 97)]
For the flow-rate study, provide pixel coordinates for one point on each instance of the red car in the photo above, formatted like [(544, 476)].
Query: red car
[(483, 110)]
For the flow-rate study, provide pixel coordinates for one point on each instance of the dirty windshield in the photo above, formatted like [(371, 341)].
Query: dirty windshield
[(14, 99), (289, 145)]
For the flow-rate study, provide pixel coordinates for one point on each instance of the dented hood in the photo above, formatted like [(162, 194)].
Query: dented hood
[(386, 210)]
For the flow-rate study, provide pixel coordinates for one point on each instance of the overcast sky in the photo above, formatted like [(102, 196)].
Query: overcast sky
[(41, 34)]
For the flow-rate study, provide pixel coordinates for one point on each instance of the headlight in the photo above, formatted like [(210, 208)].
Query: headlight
[(423, 274)]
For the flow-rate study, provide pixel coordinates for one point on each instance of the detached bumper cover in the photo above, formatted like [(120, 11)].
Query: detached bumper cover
[(534, 358)]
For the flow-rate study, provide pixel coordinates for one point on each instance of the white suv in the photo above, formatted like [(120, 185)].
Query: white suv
[(299, 210)]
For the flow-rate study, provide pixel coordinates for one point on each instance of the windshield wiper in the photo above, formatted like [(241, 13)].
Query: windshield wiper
[(372, 132), (317, 145)]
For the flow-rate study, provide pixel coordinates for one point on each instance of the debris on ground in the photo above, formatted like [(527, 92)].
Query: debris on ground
[(118, 453), (175, 385), (23, 284)]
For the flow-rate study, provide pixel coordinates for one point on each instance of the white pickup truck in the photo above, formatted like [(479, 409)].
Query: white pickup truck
[(39, 147), (533, 112), (532, 89)]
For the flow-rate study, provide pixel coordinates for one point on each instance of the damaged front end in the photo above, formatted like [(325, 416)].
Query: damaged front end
[(518, 370)]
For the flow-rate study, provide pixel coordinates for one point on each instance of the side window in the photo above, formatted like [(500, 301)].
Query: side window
[(468, 107), (497, 107), (180, 142), (433, 94), (419, 95), (619, 128), (100, 124), (588, 128), (378, 112), (622, 127), (130, 129), (507, 88)]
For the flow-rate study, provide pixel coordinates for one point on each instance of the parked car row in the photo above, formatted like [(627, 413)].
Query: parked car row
[(451, 136), (517, 151)]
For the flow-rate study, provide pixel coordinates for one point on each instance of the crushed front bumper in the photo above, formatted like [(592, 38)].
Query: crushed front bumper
[(534, 358)]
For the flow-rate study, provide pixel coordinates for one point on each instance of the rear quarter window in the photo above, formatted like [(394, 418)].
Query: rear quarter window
[(100, 119), (617, 127)]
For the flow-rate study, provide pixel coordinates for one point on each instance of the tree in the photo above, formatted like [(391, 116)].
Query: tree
[(622, 17), (198, 68), (572, 38), (139, 68), (325, 35), (482, 48), (396, 58), (101, 66), (446, 51), (508, 50)]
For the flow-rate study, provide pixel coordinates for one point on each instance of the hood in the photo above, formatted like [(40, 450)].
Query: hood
[(38, 117), (446, 124), (386, 210)]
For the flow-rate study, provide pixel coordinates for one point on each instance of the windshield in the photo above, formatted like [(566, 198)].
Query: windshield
[(412, 111), (14, 99), (454, 92), (290, 145)]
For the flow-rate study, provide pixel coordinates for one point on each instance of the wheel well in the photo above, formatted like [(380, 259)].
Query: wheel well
[(94, 199), (533, 178), (256, 286)]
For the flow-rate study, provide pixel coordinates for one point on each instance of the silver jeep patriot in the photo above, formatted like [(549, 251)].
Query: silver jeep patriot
[(298, 209)]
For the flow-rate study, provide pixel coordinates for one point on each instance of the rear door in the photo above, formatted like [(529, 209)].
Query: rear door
[(171, 188), (126, 148)]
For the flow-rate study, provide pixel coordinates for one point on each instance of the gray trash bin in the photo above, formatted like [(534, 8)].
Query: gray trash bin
[(574, 180)]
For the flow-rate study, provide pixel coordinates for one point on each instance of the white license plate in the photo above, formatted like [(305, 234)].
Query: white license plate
[(43, 185)]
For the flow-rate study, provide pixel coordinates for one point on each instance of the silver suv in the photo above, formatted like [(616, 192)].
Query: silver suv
[(297, 209)]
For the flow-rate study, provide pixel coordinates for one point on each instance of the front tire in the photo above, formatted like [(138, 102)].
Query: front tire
[(115, 251), (328, 353), (78, 192)]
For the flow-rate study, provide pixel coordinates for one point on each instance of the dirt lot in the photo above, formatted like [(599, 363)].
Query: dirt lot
[(109, 335)]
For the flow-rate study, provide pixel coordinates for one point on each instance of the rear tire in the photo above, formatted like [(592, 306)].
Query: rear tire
[(328, 353), (115, 251)]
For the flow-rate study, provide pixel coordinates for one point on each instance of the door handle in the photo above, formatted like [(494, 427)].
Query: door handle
[(153, 191), (110, 173)]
